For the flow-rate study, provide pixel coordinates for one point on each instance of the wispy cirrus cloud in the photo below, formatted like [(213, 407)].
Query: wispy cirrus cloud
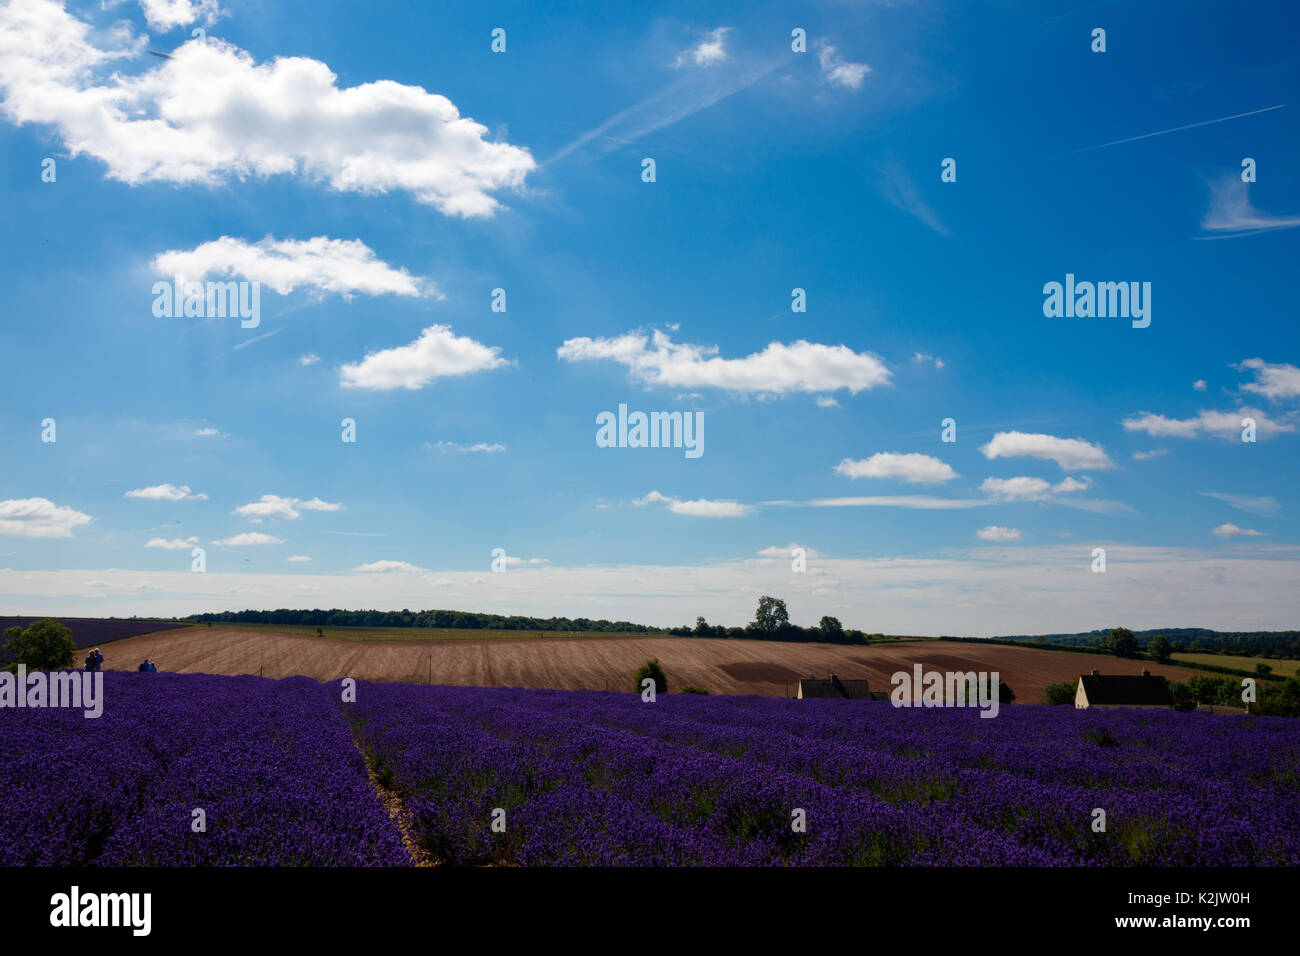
[(1265, 506), (1232, 215), (897, 186), (1208, 423)]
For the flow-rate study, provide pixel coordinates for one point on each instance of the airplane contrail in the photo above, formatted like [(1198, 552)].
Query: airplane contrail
[(1176, 129)]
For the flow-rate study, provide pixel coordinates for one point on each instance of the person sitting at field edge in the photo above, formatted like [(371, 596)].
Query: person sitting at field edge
[(144, 665)]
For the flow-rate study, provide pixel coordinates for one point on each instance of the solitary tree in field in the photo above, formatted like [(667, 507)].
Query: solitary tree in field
[(45, 645), (771, 618), (652, 670)]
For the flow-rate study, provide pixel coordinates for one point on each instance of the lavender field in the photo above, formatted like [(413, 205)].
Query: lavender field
[(601, 778)]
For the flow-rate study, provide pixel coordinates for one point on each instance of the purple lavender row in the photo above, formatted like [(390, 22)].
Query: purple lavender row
[(272, 765), (1222, 793)]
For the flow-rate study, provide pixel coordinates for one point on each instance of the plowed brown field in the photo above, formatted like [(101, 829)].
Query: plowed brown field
[(718, 665)]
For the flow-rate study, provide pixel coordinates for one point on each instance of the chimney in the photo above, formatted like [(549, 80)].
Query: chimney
[(1145, 672), (1095, 672)]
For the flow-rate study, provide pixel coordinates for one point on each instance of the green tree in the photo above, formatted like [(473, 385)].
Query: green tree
[(831, 628), (1062, 693), (45, 645), (1161, 649), (652, 670), (1263, 669), (1123, 643), (702, 628), (771, 618)]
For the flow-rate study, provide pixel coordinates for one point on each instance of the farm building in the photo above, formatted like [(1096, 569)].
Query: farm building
[(1128, 691), (816, 687)]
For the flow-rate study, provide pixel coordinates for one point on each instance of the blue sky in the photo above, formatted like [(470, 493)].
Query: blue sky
[(385, 170)]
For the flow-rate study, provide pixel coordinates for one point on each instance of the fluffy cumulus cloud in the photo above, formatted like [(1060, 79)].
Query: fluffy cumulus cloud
[(288, 509), (211, 113), (39, 518), (1068, 453), (346, 267), (166, 492), (175, 544), (709, 51), (1031, 489), (839, 71), (915, 468), (164, 15), (1272, 380), (437, 353), (389, 567), (778, 369), (699, 508), (998, 533), (1229, 530), (1207, 423), (247, 539)]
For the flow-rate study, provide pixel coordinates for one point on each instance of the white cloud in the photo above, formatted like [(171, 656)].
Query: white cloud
[(922, 358), (1068, 453), (39, 518), (1231, 213), (274, 506), (166, 492), (1031, 489), (776, 551), (916, 502), (898, 187), (1199, 385), (710, 51), (838, 70), (700, 508), (1154, 453), (311, 358), (437, 353), (1016, 489), (210, 113), (979, 591), (997, 533), (209, 432), (913, 468), (1264, 506), (478, 447), (779, 368), (175, 544), (164, 15), (825, 401), (346, 267), (299, 558), (389, 567), (1207, 423), (1232, 531), (1273, 381), (247, 538)]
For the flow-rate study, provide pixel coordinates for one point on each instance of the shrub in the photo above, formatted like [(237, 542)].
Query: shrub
[(45, 645), (1062, 693), (692, 689), (652, 670)]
